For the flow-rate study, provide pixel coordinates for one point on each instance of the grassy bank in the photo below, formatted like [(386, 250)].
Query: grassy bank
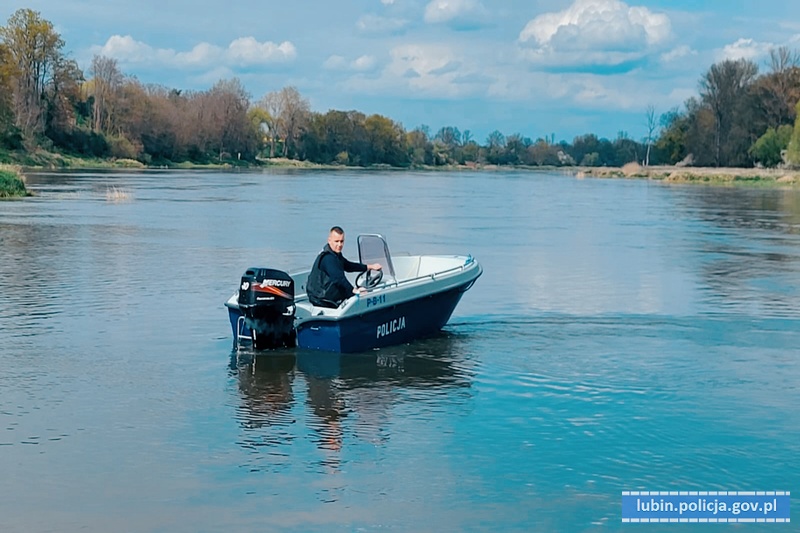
[(12, 182), (669, 174), (722, 176)]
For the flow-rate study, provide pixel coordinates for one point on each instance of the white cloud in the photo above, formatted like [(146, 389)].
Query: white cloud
[(604, 32), (242, 52), (374, 24), (387, 2), (745, 49), (248, 51), (429, 70), (125, 47), (363, 63), (441, 11), (335, 62), (677, 53)]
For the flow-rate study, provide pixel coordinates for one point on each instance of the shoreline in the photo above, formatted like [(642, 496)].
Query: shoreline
[(699, 175), (664, 173)]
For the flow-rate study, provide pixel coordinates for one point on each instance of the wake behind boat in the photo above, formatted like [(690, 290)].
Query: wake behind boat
[(412, 296)]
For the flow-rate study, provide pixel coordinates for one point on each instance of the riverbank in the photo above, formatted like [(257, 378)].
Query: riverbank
[(12, 182), (673, 174), (669, 174)]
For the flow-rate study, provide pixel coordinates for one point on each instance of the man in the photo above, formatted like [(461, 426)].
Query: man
[(327, 285)]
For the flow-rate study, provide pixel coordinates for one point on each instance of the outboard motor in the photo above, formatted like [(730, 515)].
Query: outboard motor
[(266, 299)]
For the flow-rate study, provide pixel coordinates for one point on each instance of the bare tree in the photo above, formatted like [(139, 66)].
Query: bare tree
[(289, 113), (226, 106), (652, 124), (106, 82), (782, 87)]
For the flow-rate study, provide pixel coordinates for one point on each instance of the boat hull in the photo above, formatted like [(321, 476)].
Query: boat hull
[(396, 324)]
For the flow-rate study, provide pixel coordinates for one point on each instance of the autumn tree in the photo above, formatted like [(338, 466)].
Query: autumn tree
[(35, 60), (105, 88), (9, 134), (227, 105), (63, 94)]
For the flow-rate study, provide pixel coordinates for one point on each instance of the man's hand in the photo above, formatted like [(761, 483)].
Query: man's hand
[(374, 266)]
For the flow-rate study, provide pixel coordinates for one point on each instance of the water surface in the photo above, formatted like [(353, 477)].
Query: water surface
[(625, 335)]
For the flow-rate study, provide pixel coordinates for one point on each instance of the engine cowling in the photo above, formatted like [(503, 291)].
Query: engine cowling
[(266, 299)]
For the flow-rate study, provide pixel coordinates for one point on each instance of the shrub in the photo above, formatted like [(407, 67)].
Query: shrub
[(343, 158), (122, 148), (11, 183), (767, 149)]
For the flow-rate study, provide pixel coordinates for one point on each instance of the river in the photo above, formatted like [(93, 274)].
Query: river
[(625, 335)]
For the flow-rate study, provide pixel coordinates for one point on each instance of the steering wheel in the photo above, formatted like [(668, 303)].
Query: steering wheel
[(369, 279)]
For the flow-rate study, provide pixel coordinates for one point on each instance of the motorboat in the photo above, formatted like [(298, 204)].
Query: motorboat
[(412, 296)]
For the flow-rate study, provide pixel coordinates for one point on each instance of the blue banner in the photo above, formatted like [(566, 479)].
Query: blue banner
[(705, 506)]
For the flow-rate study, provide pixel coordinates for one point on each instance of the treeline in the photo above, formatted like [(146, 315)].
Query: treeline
[(46, 101)]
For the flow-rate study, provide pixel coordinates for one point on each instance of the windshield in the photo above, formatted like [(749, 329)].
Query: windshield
[(373, 249)]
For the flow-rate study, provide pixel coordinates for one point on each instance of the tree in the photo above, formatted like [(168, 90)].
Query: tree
[(290, 113), (420, 148), (650, 116), (62, 94), (34, 50), (672, 141), (495, 147), (724, 89), (516, 149), (106, 82), (233, 132), (793, 150), (543, 153), (625, 150), (584, 145), (386, 142), (9, 134), (259, 120)]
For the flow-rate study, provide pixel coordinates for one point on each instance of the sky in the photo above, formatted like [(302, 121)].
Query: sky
[(540, 68)]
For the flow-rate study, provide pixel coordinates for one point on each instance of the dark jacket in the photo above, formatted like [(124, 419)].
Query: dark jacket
[(327, 285)]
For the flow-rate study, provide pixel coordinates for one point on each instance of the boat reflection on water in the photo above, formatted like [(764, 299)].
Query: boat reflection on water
[(267, 396), (335, 398)]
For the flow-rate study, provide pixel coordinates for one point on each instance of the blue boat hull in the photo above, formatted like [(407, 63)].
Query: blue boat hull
[(383, 327), (387, 326)]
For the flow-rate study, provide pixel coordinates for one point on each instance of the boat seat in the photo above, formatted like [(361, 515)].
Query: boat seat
[(317, 310), (407, 268)]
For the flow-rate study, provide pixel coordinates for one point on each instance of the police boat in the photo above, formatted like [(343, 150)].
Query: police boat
[(412, 296)]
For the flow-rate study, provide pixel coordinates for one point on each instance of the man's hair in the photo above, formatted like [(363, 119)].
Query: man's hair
[(337, 229)]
